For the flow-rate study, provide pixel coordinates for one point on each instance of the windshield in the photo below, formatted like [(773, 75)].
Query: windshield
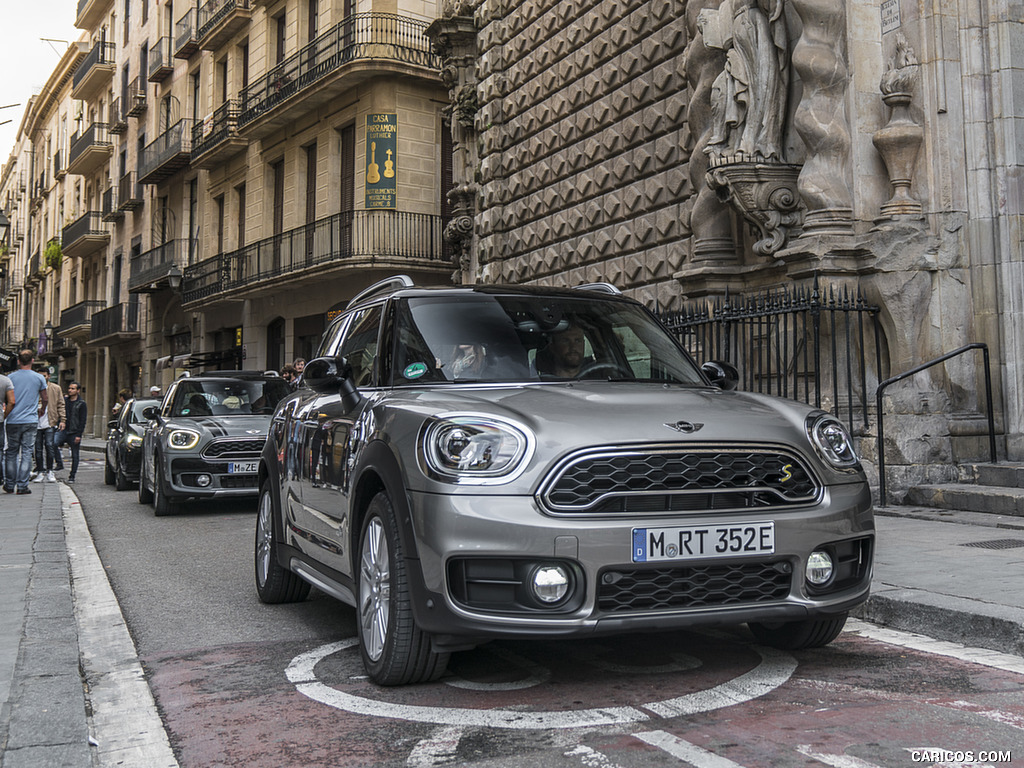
[(533, 338), (227, 397)]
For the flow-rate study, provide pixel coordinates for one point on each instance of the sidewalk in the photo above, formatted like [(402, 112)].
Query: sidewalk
[(72, 691)]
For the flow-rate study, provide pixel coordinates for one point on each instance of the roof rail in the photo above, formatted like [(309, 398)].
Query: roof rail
[(388, 284), (602, 287)]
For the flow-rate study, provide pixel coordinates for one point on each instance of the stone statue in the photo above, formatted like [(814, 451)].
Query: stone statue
[(750, 93)]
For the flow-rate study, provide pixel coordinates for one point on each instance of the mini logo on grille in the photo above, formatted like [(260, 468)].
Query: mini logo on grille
[(252, 431), (687, 427)]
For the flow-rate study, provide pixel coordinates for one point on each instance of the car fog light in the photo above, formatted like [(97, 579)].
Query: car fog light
[(819, 568), (550, 583), (203, 480)]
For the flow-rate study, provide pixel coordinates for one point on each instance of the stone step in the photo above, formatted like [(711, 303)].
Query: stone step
[(991, 499), (1006, 475)]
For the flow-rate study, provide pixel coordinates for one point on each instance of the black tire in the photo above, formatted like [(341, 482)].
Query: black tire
[(162, 505), (274, 584), (108, 473), (794, 635), (395, 651), (121, 481), (145, 495)]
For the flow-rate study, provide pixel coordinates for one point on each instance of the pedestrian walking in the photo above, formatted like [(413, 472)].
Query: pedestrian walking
[(30, 402), (50, 423), (77, 416), (7, 397)]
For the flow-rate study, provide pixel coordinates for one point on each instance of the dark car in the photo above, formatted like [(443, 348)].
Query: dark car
[(124, 443), (468, 463), (205, 438)]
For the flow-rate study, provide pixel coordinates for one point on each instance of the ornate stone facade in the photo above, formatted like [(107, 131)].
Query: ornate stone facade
[(685, 148)]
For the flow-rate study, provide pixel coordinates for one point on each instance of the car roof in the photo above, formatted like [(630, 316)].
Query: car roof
[(402, 287)]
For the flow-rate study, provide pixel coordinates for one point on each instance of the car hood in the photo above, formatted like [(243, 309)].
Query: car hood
[(226, 426), (569, 417)]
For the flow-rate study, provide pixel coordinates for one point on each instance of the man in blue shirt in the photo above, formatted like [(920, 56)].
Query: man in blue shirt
[(30, 400)]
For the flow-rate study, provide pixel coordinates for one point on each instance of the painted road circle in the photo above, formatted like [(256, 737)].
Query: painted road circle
[(775, 669)]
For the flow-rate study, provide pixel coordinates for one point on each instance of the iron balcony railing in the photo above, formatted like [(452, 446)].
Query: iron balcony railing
[(213, 12), (78, 315), (169, 153), (129, 192), (84, 226), (361, 36), (153, 265), (111, 211), (115, 320), (118, 122), (94, 135), (161, 63), (35, 263), (186, 42), (58, 166), (219, 127), (101, 53), (348, 236), (136, 98)]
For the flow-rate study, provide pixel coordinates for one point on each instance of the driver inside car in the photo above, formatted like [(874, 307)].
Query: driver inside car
[(564, 355)]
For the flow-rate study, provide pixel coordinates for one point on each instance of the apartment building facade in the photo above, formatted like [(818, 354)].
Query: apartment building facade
[(235, 171)]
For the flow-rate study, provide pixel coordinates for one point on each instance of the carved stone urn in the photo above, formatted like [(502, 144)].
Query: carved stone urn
[(900, 140), (764, 193)]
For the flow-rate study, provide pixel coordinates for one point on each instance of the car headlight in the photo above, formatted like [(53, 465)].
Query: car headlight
[(182, 439), (475, 448), (832, 440), (133, 440)]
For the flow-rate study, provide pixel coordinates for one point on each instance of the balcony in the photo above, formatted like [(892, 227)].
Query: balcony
[(118, 122), (362, 46), (76, 321), (111, 211), (161, 63), (185, 40), (167, 155), (378, 240), (91, 13), (90, 150), (129, 193), (218, 20), (117, 323), (34, 269), (136, 99), (216, 139), (150, 270), (94, 73), (59, 171), (85, 236)]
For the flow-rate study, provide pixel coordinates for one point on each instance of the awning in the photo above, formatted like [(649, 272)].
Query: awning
[(162, 362)]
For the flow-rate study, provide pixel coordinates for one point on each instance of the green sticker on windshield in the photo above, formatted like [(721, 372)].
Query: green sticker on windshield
[(415, 370)]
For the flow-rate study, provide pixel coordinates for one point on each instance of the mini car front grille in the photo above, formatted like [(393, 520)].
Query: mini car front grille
[(667, 480), (661, 589), (234, 449)]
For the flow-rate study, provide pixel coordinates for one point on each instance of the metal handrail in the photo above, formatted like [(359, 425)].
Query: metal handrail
[(924, 366)]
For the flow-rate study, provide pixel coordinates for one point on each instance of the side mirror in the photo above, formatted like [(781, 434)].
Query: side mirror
[(112, 424), (721, 374), (150, 412), (327, 375)]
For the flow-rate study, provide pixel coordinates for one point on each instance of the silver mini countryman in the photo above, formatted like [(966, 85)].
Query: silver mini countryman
[(468, 463)]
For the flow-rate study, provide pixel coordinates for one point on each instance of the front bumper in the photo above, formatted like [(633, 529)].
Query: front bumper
[(185, 477), (451, 530)]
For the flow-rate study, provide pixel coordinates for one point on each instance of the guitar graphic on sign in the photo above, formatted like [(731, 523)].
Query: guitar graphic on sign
[(373, 171), (389, 167)]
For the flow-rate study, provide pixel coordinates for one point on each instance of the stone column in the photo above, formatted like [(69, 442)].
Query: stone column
[(454, 39), (819, 58)]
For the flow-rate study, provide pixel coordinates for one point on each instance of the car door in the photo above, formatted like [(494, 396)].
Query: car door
[(327, 430)]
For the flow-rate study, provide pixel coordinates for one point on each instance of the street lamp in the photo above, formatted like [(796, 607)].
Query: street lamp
[(48, 332), (174, 277)]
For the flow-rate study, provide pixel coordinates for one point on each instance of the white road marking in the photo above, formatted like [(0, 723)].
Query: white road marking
[(983, 656), (836, 761), (1006, 718), (591, 758), (439, 749), (684, 750), (774, 670)]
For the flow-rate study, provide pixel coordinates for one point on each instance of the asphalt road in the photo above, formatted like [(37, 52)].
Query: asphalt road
[(243, 684)]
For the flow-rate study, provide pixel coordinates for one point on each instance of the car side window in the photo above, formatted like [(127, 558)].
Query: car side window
[(332, 337), (359, 346)]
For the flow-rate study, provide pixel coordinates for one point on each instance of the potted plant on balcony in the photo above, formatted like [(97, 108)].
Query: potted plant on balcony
[(53, 253)]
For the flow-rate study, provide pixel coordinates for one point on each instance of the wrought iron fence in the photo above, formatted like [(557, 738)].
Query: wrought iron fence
[(810, 344), (218, 128), (120, 318)]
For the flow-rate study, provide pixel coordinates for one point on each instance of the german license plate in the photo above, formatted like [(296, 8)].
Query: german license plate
[(691, 542), (243, 467)]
